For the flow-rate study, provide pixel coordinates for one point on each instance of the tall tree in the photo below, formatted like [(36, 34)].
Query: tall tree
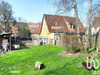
[(64, 6), (68, 5), (94, 10), (77, 19), (6, 15), (88, 25)]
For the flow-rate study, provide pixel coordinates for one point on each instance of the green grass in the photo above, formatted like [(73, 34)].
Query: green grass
[(24, 60)]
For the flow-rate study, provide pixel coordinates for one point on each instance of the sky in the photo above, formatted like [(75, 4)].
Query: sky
[(33, 10)]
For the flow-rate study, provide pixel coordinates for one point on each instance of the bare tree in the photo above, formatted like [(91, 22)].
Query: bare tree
[(1, 29), (88, 26), (6, 15), (94, 10), (21, 20), (66, 6), (77, 19)]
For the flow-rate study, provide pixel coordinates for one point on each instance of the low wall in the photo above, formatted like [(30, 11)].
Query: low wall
[(31, 42)]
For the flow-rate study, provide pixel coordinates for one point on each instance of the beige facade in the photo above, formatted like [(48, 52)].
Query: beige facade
[(35, 36), (53, 28), (45, 34), (48, 37)]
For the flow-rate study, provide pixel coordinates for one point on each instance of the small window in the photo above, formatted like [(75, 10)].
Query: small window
[(71, 26), (55, 22), (32, 28)]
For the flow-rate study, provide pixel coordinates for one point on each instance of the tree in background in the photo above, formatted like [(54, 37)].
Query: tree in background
[(6, 16), (1, 29), (64, 6), (94, 10), (24, 32)]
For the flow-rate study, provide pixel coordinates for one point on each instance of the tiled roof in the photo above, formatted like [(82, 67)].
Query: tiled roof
[(35, 28), (96, 22), (21, 24), (18, 25), (57, 23), (14, 27)]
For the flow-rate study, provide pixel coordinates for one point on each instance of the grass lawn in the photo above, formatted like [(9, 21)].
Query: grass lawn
[(23, 60)]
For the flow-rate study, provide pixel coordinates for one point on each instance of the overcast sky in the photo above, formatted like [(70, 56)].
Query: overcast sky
[(33, 10)]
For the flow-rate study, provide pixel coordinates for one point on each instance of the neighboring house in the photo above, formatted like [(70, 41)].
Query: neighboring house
[(95, 25), (35, 29), (14, 28), (54, 25)]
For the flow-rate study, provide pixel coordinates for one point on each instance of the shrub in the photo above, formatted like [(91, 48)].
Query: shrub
[(68, 48)]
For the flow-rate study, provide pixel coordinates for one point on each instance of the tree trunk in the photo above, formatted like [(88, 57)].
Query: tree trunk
[(39, 65), (77, 20), (88, 25), (6, 27)]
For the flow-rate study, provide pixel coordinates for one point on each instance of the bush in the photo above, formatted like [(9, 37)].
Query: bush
[(68, 49), (73, 48), (77, 49)]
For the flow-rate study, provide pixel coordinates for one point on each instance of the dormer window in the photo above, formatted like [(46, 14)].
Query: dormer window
[(71, 26)]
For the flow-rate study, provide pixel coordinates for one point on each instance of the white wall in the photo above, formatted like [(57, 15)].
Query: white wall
[(94, 30)]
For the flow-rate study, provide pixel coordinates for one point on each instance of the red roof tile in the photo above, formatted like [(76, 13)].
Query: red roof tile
[(60, 25), (35, 28), (96, 22)]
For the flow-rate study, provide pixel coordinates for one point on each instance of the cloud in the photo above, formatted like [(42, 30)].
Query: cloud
[(86, 4)]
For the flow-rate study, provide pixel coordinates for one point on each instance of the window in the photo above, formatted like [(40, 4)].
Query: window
[(32, 28), (16, 31), (55, 23), (71, 26)]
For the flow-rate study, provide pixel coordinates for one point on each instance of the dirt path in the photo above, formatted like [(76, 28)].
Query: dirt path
[(65, 54)]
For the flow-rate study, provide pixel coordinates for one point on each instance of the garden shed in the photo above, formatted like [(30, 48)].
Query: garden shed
[(5, 38)]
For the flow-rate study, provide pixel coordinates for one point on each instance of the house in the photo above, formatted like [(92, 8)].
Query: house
[(35, 30), (54, 25), (14, 28), (95, 30), (95, 25)]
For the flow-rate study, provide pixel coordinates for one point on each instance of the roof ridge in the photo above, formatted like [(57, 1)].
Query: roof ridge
[(59, 15)]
